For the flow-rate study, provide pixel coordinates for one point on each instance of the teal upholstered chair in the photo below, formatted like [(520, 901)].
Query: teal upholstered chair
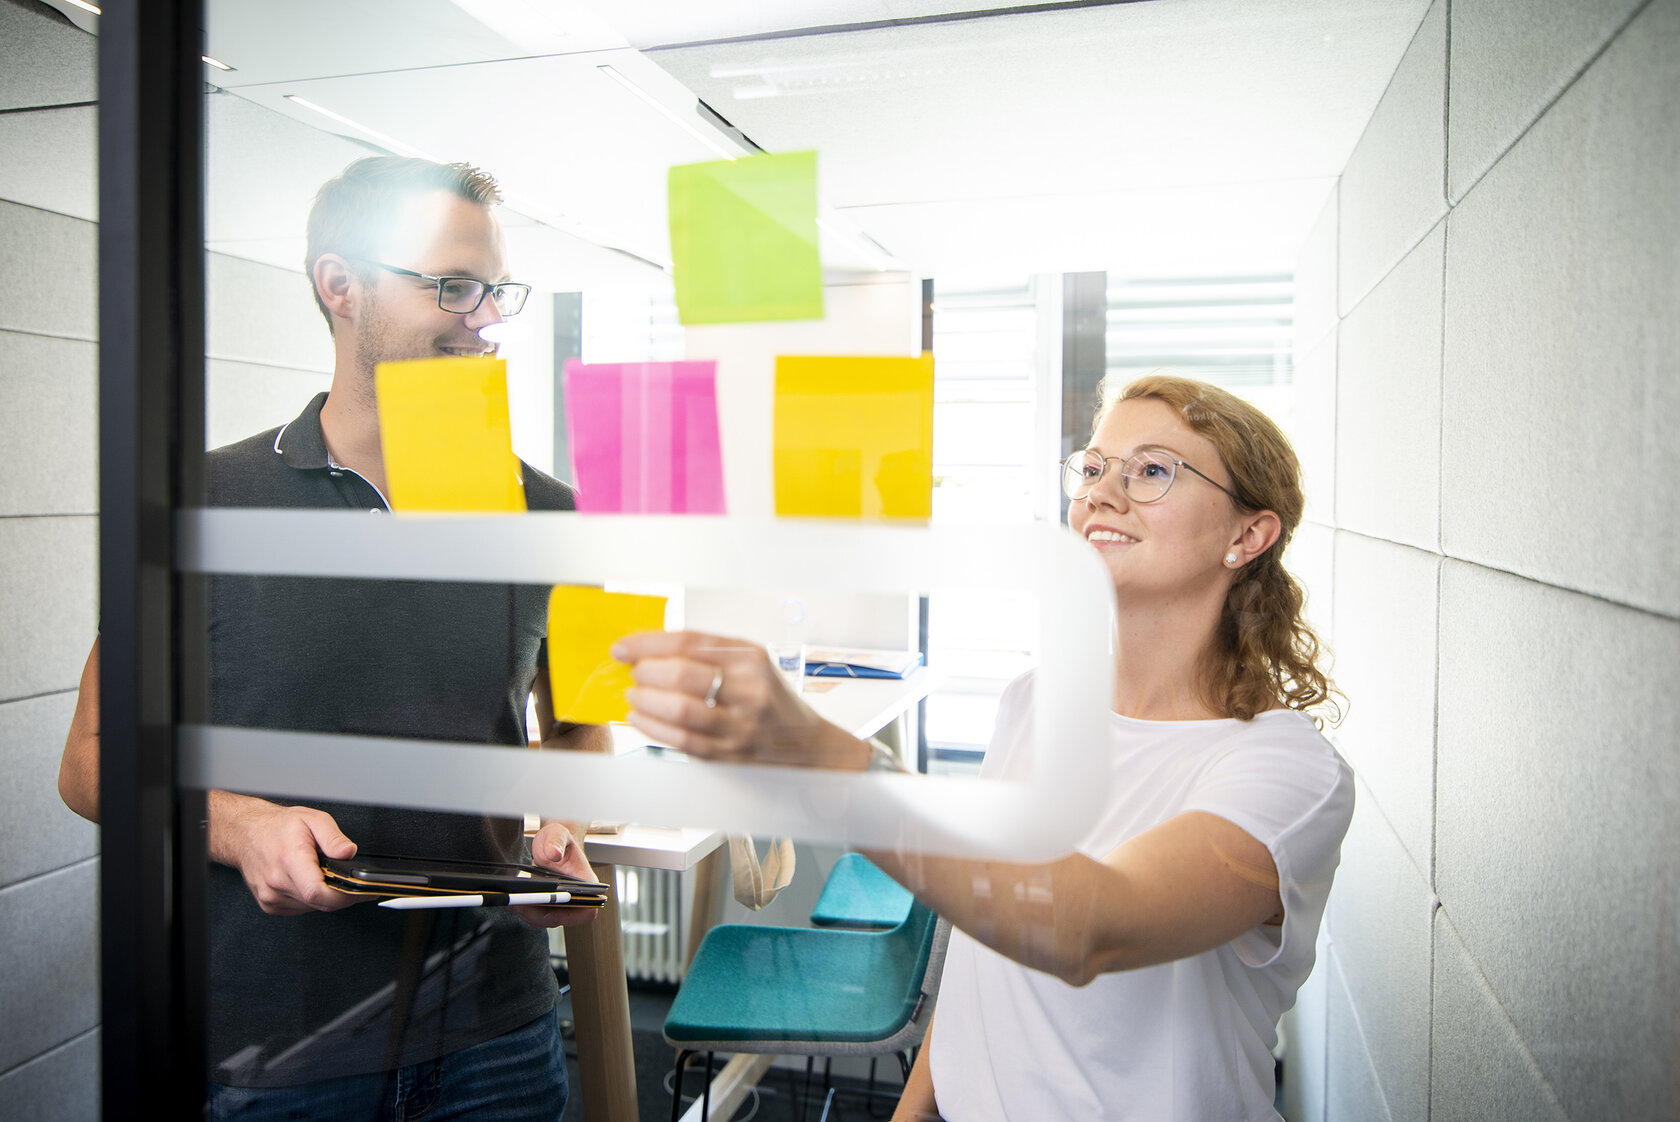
[(808, 992), (858, 895)]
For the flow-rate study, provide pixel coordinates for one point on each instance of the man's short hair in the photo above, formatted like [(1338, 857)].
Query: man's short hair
[(352, 213)]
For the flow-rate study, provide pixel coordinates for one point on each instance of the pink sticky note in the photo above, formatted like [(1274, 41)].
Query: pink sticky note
[(644, 437)]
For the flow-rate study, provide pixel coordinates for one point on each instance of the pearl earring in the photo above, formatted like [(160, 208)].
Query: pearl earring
[(1230, 559)]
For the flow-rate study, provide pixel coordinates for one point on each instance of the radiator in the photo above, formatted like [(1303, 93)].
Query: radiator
[(650, 914), (651, 924)]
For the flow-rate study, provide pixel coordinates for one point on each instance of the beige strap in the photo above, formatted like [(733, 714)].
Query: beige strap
[(755, 884)]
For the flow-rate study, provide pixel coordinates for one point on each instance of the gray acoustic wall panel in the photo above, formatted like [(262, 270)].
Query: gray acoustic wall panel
[(1393, 189), (244, 398), (58, 1086), (1480, 1070), (247, 143), (1306, 1031), (48, 602), (1315, 279), (35, 243), (60, 171), (1388, 404), (37, 833), (1556, 829), (49, 425), (1562, 337), (1509, 61), (265, 314), (1352, 1090), (1385, 644), (48, 927), (1314, 426), (61, 58), (1382, 938), (1312, 561)]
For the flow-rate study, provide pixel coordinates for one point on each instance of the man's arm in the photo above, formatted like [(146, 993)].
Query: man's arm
[(275, 848), (78, 768)]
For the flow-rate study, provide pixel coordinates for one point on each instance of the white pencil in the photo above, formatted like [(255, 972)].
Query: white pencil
[(408, 903)]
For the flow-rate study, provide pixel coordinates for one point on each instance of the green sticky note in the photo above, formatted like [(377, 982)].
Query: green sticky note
[(587, 683), (744, 239)]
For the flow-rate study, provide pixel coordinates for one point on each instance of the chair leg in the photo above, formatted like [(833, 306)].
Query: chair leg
[(676, 1084), (683, 1057)]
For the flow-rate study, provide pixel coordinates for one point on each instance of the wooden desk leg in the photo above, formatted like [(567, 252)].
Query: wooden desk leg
[(601, 1013), (702, 915)]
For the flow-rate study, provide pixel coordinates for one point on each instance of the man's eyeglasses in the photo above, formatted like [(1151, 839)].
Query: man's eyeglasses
[(462, 295), (1145, 476)]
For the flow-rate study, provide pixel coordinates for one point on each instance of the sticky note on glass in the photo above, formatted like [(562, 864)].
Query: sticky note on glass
[(854, 437), (587, 683), (744, 239), (448, 443), (644, 437)]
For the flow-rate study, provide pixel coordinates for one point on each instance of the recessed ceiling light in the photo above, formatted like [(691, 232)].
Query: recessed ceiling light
[(216, 62), (85, 6)]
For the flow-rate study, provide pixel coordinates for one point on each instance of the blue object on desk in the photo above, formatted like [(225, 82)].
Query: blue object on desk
[(858, 895), (835, 668)]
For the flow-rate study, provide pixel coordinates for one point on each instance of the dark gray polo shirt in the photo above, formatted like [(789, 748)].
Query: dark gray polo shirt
[(300, 998)]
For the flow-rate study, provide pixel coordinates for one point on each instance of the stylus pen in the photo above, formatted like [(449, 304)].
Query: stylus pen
[(407, 903)]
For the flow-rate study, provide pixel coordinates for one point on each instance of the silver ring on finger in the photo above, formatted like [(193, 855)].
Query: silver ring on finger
[(712, 694)]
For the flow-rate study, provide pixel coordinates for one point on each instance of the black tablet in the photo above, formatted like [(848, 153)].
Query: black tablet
[(390, 875)]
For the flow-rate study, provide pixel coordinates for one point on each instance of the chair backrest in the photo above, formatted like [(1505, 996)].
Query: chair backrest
[(858, 895)]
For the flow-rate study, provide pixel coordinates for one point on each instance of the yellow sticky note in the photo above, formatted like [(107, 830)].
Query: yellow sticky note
[(744, 239), (587, 683), (854, 436), (447, 439)]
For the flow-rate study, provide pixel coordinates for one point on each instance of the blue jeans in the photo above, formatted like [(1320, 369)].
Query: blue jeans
[(518, 1077)]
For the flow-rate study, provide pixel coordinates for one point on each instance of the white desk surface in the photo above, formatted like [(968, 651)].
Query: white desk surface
[(652, 847)]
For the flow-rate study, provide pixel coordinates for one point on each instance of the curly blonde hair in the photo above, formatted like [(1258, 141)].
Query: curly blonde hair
[(1263, 652)]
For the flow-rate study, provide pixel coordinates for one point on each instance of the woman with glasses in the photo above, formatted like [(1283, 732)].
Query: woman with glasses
[(1142, 976)]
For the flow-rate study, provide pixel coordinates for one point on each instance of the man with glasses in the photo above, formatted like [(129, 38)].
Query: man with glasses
[(318, 1008)]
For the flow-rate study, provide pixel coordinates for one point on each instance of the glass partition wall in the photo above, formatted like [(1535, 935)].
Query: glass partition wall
[(302, 665)]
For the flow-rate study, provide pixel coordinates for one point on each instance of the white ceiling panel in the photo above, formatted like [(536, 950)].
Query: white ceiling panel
[(300, 39), (569, 145), (1080, 138), (1147, 232), (1197, 91), (654, 23)]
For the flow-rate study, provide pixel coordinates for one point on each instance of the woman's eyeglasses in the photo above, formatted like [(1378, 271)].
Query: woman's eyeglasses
[(1144, 476)]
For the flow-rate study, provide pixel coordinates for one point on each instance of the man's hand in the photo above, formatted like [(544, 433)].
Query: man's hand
[(555, 848), (277, 849)]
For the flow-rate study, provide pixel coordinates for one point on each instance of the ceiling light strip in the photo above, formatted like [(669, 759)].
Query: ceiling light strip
[(861, 244), (689, 127), (385, 139)]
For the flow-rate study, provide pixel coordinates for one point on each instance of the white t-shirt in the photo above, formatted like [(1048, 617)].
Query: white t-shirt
[(1189, 1040)]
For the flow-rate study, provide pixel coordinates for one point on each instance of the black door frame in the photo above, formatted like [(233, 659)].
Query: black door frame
[(151, 443)]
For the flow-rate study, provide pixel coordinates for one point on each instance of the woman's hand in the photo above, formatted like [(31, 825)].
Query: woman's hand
[(721, 699)]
